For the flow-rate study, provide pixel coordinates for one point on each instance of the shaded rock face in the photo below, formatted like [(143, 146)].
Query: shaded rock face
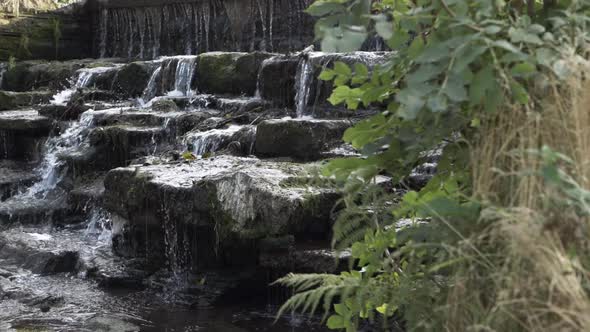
[(226, 202), (277, 80), (13, 100), (297, 138), (21, 134), (229, 73)]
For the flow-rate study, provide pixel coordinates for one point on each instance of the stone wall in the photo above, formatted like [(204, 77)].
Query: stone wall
[(150, 28), (38, 33)]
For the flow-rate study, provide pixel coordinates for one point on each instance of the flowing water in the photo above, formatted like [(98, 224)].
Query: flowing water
[(194, 27), (3, 69), (52, 168), (85, 77), (211, 140)]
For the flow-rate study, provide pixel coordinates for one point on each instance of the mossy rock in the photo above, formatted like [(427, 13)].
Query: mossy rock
[(229, 72), (165, 106), (132, 79), (299, 139), (12, 100), (30, 75)]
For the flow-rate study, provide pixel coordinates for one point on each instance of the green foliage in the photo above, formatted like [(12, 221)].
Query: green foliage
[(456, 62)]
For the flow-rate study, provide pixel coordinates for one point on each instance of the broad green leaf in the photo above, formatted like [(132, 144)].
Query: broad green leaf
[(519, 92), (437, 103), (518, 35), (455, 89), (481, 83), (341, 68), (523, 69), (336, 322), (433, 52), (327, 75), (425, 73)]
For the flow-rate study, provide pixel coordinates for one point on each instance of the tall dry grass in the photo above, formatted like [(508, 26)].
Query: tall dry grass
[(527, 269)]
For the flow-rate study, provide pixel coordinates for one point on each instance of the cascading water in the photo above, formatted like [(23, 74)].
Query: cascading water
[(194, 27), (151, 89), (3, 69), (185, 70), (173, 76), (211, 140), (51, 171), (85, 77), (303, 83)]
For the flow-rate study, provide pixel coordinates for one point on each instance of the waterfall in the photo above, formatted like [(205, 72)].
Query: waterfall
[(173, 75), (185, 70), (99, 226), (52, 171), (151, 89), (195, 27), (303, 83), (3, 69)]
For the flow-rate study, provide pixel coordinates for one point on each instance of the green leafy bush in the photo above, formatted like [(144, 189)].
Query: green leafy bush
[(460, 70)]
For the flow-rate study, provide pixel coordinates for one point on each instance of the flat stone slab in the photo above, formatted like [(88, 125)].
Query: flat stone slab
[(299, 138), (40, 253), (11, 100), (25, 120), (29, 210)]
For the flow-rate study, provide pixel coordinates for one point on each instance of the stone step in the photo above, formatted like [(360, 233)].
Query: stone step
[(21, 134), (214, 210), (304, 139), (116, 146), (15, 177), (11, 100), (24, 210), (52, 75)]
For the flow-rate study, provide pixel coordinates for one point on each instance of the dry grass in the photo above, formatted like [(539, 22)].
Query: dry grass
[(530, 273)]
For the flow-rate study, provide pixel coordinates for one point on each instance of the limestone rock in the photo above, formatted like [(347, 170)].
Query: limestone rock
[(224, 201), (229, 72), (298, 138), (13, 100)]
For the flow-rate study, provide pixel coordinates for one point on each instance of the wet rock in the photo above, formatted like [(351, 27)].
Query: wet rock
[(241, 139), (133, 117), (298, 138), (37, 253), (223, 202), (15, 177), (71, 111), (306, 261), (110, 324), (164, 105), (12, 100), (189, 121), (31, 75), (229, 72), (86, 194), (277, 80), (238, 106), (51, 75), (21, 134), (82, 96), (132, 79), (33, 211), (116, 146)]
